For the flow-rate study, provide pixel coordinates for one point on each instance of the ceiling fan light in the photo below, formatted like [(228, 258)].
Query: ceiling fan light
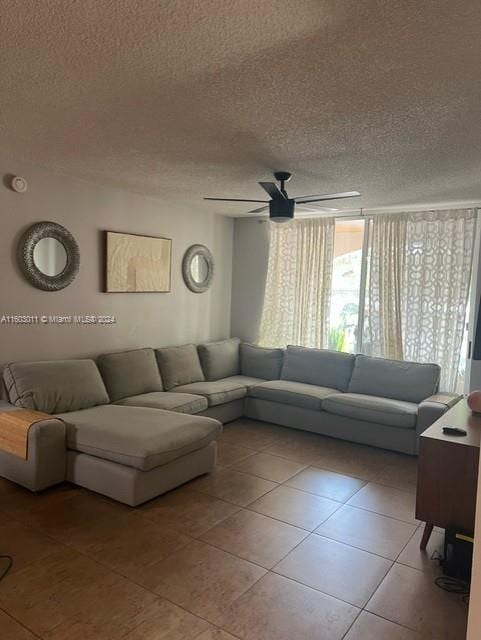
[(280, 219), (281, 210)]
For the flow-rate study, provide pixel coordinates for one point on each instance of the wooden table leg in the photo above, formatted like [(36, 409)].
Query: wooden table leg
[(428, 529)]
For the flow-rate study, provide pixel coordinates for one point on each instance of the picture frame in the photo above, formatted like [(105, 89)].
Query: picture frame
[(137, 263)]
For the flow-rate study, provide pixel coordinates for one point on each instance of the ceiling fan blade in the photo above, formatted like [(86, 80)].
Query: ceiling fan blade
[(273, 190), (259, 210), (327, 196), (302, 206), (234, 200)]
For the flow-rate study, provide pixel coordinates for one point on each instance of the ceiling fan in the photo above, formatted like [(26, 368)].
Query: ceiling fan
[(281, 207)]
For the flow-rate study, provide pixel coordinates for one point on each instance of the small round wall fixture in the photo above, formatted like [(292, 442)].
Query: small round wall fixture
[(198, 268), (48, 256), (18, 184)]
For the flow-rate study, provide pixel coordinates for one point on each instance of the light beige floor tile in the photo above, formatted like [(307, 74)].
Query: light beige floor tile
[(279, 609), (334, 568), (18, 502), (188, 511), (164, 620), (270, 467), (295, 507), (370, 627), (423, 560), (216, 634), (307, 439), (387, 501), (24, 544), (399, 471), (369, 463), (232, 486), (66, 519), (255, 537), (159, 620), (410, 598), (65, 590), (132, 546), (204, 580), (352, 459), (367, 530), (326, 483), (247, 433), (298, 451), (12, 630), (229, 454)]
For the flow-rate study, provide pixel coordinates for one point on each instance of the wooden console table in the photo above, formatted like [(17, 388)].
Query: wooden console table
[(448, 472)]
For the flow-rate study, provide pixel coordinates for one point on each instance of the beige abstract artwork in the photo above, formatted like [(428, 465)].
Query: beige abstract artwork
[(137, 263)]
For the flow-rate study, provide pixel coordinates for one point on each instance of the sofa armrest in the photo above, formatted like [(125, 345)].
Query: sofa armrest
[(433, 408), (46, 461)]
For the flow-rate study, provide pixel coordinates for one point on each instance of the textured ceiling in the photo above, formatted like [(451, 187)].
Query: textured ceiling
[(189, 98)]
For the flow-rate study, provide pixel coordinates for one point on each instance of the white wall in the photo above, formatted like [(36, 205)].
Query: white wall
[(87, 209), (251, 256)]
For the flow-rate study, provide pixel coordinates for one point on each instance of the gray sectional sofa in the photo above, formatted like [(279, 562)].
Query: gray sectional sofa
[(138, 423)]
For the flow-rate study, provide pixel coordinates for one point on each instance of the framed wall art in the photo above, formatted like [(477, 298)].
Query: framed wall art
[(137, 263)]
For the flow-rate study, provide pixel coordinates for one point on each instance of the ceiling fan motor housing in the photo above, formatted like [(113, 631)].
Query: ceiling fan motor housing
[(281, 210)]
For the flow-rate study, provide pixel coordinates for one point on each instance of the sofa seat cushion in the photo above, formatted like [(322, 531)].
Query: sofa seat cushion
[(139, 437), (168, 400), (298, 394), (246, 381), (395, 413), (216, 392)]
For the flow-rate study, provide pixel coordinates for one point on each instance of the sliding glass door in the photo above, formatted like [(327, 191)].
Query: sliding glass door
[(347, 291)]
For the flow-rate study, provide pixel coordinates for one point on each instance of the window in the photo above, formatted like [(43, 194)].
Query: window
[(344, 318), (388, 285)]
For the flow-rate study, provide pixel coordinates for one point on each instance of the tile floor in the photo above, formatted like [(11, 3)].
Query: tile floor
[(294, 537)]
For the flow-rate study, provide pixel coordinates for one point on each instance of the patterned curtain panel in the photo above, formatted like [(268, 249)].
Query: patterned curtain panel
[(418, 286), (387, 247), (298, 287)]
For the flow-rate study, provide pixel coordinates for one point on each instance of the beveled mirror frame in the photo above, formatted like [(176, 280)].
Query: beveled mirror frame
[(26, 245), (190, 254)]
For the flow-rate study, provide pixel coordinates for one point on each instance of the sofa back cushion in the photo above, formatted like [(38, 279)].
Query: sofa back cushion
[(220, 359), (408, 381), (55, 387), (259, 362), (321, 367), (179, 365), (130, 373)]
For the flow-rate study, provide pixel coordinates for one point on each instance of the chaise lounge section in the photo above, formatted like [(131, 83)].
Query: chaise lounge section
[(128, 453)]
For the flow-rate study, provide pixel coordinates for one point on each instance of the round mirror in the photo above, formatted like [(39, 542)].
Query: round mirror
[(49, 256), (198, 268)]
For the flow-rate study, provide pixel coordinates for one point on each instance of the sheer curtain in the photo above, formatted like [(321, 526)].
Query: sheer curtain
[(298, 287), (419, 276), (385, 286)]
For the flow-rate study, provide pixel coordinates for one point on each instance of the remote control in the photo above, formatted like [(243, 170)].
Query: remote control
[(454, 431)]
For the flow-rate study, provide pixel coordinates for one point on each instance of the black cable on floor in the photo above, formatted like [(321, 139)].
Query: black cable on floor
[(453, 585), (4, 572)]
